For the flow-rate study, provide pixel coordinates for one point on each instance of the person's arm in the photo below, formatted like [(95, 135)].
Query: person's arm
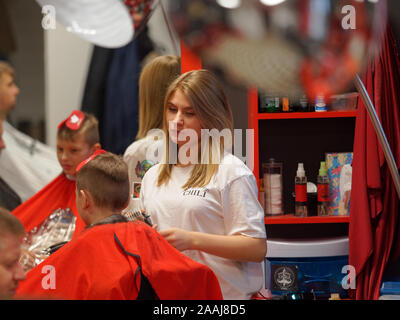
[(243, 216), (236, 247)]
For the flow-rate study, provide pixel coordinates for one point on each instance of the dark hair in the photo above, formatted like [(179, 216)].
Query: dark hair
[(106, 179), (89, 128)]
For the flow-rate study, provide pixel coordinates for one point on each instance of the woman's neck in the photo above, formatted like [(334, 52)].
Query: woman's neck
[(183, 165)]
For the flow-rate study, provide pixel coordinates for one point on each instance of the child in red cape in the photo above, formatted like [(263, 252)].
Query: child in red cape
[(77, 139), (113, 258)]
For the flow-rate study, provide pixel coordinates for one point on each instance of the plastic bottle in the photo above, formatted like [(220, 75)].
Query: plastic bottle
[(300, 192), (320, 104), (303, 104), (323, 190), (272, 175), (285, 104), (269, 103)]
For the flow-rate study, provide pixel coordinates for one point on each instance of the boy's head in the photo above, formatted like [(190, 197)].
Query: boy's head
[(102, 187), (77, 139), (8, 89)]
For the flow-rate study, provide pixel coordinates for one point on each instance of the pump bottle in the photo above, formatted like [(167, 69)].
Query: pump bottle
[(300, 192)]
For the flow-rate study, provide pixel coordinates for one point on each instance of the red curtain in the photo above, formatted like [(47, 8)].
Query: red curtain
[(374, 230)]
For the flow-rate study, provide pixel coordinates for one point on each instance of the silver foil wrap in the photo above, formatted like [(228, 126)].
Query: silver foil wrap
[(58, 227)]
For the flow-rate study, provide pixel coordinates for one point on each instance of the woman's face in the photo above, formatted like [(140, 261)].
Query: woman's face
[(181, 115)]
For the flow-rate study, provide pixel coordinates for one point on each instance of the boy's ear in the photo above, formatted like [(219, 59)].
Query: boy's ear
[(127, 203), (86, 198), (96, 146)]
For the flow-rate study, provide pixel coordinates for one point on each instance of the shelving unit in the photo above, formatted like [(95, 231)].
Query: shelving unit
[(292, 219), (306, 115), (299, 137), (255, 118)]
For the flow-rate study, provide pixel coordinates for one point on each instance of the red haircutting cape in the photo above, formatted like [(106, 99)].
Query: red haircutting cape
[(108, 262), (59, 193)]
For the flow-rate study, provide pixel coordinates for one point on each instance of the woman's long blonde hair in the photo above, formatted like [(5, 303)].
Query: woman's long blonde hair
[(207, 98), (154, 80)]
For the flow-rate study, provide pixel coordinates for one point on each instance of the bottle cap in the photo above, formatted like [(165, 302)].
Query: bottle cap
[(322, 170), (300, 170)]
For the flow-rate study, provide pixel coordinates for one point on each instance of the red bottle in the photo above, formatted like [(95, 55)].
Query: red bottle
[(301, 192)]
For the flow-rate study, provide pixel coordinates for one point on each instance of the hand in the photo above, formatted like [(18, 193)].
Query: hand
[(178, 238), (346, 198), (27, 259)]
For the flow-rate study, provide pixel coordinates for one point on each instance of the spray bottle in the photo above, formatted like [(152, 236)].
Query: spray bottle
[(323, 190), (301, 192)]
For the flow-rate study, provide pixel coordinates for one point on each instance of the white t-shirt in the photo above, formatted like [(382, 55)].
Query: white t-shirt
[(27, 165), (140, 156), (228, 205)]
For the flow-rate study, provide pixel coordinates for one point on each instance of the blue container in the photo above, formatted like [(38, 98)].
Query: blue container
[(390, 286), (319, 275), (307, 266)]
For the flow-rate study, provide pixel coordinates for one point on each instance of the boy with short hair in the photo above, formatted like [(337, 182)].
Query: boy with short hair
[(77, 139), (115, 259), (102, 189)]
